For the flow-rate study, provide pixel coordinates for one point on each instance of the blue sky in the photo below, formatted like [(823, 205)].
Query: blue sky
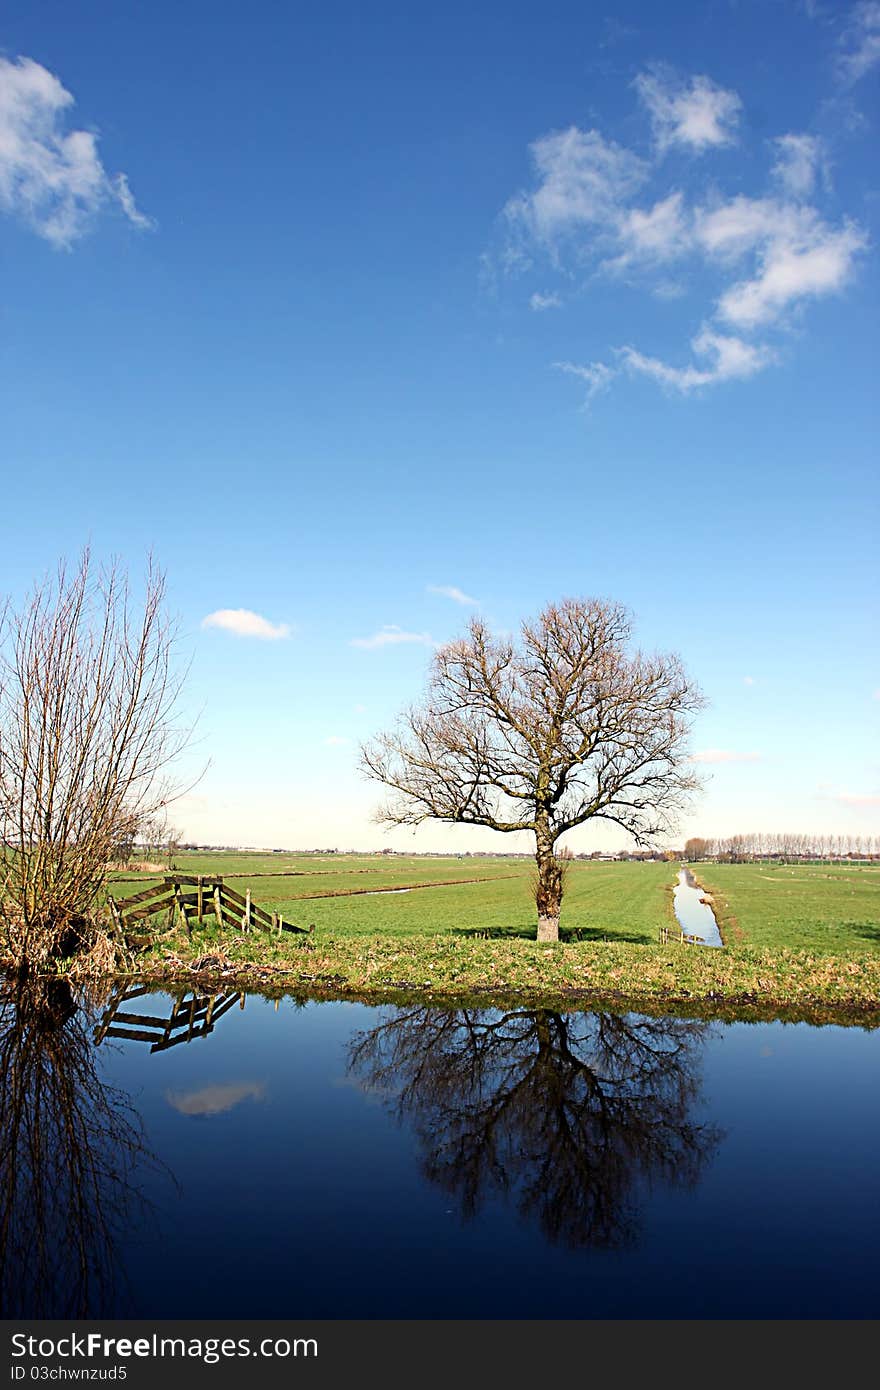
[(367, 318)]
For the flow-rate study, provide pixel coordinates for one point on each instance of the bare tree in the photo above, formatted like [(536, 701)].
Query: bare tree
[(696, 848), (88, 729), (570, 1116), (543, 735)]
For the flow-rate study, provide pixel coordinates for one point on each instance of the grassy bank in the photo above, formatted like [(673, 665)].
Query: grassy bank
[(447, 968), (805, 939)]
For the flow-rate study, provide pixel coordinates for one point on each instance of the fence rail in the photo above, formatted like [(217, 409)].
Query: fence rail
[(193, 1016), (204, 897), (668, 934)]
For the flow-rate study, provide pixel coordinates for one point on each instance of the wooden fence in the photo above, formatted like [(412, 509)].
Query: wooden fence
[(193, 1016), (685, 938), (185, 899)]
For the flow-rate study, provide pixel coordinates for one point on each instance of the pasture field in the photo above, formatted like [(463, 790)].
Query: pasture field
[(797, 944), (816, 907), (828, 909), (354, 895)]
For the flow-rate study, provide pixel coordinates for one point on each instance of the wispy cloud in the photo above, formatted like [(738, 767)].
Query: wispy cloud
[(243, 623), (540, 302), (724, 755), (728, 358), (392, 636), (799, 160), (857, 799), (799, 256), (51, 179), (598, 376), (773, 254), (860, 42), (697, 115), (450, 591), (582, 180), (335, 741), (748, 680), (215, 1100), (654, 237)]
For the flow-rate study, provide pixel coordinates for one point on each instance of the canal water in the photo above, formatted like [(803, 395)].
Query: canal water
[(694, 916), (324, 1160)]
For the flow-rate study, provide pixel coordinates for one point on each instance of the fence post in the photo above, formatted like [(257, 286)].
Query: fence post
[(247, 909)]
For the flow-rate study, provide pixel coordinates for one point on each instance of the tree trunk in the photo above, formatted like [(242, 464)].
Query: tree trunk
[(548, 928), (548, 886)]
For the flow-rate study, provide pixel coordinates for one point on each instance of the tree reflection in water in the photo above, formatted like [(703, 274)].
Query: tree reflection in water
[(70, 1148), (569, 1115)]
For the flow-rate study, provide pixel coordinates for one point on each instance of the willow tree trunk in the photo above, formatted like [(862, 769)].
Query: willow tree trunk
[(548, 886)]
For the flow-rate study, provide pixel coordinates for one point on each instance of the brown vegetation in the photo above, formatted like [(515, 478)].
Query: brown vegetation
[(87, 733)]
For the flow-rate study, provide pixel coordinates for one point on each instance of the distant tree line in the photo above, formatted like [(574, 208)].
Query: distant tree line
[(740, 849)]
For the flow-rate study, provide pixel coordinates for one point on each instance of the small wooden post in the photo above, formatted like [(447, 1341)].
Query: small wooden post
[(280, 923), (201, 897), (275, 927), (180, 909), (247, 910), (218, 913)]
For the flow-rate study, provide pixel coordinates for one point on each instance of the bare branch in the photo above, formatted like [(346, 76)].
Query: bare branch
[(88, 733), (562, 728)]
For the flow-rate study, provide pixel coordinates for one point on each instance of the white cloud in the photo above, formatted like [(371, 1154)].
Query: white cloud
[(658, 235), (53, 181), (597, 375), (797, 255), (538, 301), (727, 230), (860, 42), (391, 636), (734, 359), (855, 799), (668, 289), (359, 709), (748, 680), (799, 158), (243, 623), (817, 263), (129, 207), (215, 1099), (774, 253), (583, 179), (335, 741), (699, 115), (724, 755), (450, 591)]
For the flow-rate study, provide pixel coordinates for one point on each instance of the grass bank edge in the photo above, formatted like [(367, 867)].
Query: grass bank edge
[(456, 972)]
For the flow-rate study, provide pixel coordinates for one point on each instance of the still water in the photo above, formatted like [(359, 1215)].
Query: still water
[(694, 914), (336, 1160)]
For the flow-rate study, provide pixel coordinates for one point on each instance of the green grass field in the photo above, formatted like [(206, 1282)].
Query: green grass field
[(818, 908), (799, 944), (349, 895)]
